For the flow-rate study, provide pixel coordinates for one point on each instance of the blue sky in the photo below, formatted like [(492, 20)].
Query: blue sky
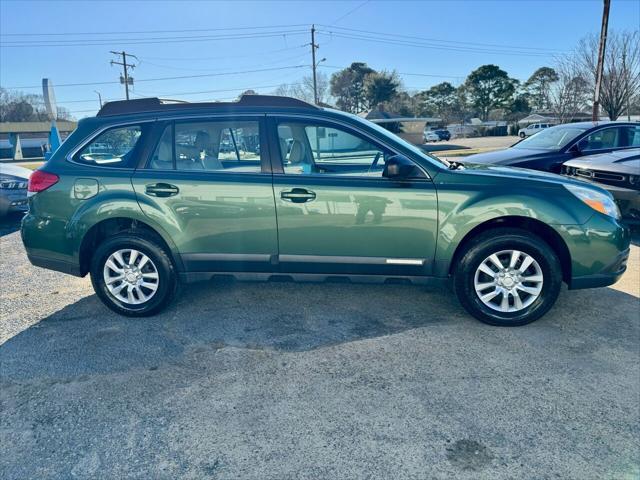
[(454, 38)]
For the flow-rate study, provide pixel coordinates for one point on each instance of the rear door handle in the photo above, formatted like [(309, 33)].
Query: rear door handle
[(161, 190), (298, 195)]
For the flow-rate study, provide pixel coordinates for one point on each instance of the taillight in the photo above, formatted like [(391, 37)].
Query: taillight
[(40, 180)]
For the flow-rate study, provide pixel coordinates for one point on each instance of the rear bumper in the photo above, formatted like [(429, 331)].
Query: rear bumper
[(55, 264), (46, 249)]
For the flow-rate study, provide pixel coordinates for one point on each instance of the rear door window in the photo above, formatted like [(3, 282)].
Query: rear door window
[(630, 136), (215, 146), (116, 147)]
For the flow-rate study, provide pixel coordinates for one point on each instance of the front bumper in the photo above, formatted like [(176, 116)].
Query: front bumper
[(608, 276), (599, 252)]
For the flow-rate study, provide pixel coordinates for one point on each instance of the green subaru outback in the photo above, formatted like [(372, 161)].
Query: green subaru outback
[(150, 194)]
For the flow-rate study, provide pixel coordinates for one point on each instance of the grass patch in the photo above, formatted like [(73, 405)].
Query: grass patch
[(32, 165), (465, 153)]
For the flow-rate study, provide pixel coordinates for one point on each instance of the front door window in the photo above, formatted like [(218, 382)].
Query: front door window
[(606, 138), (321, 150)]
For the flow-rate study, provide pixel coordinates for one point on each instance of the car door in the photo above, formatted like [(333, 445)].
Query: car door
[(337, 213), (208, 182), (603, 140)]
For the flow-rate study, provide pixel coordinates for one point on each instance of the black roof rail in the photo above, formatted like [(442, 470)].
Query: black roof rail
[(153, 104)]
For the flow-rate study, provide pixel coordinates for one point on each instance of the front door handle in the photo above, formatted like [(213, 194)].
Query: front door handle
[(298, 195), (161, 190)]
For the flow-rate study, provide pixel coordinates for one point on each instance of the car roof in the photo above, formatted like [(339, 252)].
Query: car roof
[(597, 124), (158, 105)]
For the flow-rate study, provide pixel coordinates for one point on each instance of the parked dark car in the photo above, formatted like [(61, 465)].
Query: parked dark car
[(617, 172), (13, 188), (549, 149), (443, 134)]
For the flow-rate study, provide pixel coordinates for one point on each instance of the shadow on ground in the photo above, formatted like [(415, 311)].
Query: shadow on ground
[(85, 337), (286, 380), (10, 223)]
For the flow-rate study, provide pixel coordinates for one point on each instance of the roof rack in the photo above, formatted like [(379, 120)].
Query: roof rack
[(154, 104)]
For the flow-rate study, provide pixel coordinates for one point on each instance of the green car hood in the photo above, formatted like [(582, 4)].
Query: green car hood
[(499, 173)]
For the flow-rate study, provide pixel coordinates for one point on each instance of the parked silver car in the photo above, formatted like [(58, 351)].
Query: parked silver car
[(533, 129), (13, 188), (618, 172)]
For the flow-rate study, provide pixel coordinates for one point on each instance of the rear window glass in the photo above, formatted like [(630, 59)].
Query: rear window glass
[(115, 147)]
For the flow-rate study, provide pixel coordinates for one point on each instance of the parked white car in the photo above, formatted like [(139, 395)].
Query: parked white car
[(533, 129), (430, 136)]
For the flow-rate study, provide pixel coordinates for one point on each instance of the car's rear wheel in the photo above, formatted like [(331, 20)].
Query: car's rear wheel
[(133, 275), (508, 277)]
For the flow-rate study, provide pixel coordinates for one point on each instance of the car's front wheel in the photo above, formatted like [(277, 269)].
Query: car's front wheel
[(508, 277), (522, 135), (133, 275)]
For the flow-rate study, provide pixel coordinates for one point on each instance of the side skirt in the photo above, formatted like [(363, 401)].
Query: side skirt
[(192, 277)]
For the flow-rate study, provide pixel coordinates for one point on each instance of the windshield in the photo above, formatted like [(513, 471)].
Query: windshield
[(395, 138), (553, 138)]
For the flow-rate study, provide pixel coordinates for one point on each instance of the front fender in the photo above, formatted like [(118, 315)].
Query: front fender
[(460, 210)]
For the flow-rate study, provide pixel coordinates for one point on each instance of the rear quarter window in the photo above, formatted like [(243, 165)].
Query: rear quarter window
[(117, 147)]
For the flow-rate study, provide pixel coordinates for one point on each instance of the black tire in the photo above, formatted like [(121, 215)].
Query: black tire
[(497, 240), (150, 246), (522, 135)]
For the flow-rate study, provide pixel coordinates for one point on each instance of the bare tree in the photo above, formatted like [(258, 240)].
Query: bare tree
[(621, 78), (570, 93), (303, 90)]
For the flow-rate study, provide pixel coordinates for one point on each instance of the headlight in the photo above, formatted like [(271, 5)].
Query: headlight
[(599, 201)]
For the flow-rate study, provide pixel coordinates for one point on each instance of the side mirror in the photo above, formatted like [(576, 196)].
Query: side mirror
[(399, 167), (581, 146)]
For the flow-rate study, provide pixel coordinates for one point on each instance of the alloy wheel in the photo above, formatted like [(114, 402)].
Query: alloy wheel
[(508, 281), (130, 276)]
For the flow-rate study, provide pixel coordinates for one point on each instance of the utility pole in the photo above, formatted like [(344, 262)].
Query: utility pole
[(126, 79), (313, 63), (99, 97), (627, 94), (601, 52)]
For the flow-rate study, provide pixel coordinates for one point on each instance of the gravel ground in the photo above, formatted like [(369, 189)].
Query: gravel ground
[(283, 380)]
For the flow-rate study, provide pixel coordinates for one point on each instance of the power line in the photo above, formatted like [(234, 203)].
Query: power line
[(351, 11), (413, 37), (190, 30), (170, 67), (336, 67), (219, 90), (428, 46), (254, 54), (237, 89), (146, 41), (166, 78)]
